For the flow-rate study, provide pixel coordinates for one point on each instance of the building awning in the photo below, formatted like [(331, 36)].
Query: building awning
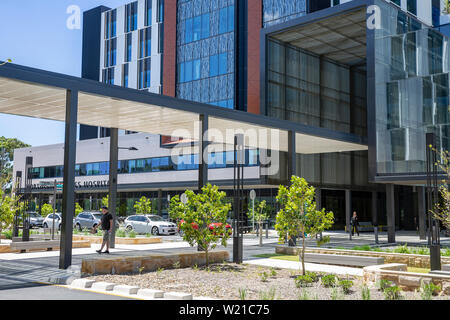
[(40, 94)]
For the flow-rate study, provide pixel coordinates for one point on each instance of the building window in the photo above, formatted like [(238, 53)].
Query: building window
[(145, 42), (397, 2), (110, 24), (131, 17), (218, 64), (205, 26), (148, 12), (144, 73), (129, 47), (160, 15), (197, 28), (412, 6), (110, 52), (226, 20), (108, 75), (125, 75)]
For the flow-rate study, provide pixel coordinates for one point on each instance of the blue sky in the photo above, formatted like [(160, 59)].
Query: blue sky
[(34, 33)]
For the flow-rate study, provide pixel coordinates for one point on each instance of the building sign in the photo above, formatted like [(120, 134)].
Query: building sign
[(43, 185)]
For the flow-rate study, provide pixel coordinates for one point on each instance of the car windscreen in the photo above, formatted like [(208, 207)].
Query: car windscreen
[(155, 218), (34, 215), (98, 216)]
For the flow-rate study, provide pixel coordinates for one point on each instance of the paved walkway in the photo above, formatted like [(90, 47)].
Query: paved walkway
[(284, 264)]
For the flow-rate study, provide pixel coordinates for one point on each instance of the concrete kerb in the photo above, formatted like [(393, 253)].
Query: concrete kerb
[(131, 291)]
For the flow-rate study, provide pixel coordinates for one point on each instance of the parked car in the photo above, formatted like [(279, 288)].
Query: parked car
[(212, 227), (36, 220), (87, 220), (149, 224), (48, 221)]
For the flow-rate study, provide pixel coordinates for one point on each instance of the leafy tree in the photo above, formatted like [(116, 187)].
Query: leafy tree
[(195, 217), (298, 215), (105, 201), (441, 209), (9, 205), (260, 213), (78, 209), (46, 209), (143, 206), (7, 147)]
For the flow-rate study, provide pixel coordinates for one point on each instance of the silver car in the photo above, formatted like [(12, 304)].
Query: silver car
[(87, 220), (149, 224), (36, 220)]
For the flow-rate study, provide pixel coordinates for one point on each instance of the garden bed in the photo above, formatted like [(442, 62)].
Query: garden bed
[(120, 240), (229, 281)]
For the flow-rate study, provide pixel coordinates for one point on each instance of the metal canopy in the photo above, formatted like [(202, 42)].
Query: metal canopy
[(341, 38), (40, 94)]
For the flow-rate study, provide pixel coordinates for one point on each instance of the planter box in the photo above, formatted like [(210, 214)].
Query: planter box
[(407, 281), (411, 260), (99, 240), (147, 263), (6, 248)]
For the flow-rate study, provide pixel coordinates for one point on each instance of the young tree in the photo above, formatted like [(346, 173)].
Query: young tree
[(196, 216), (46, 209), (9, 205), (259, 214), (441, 210), (143, 206), (7, 146), (78, 209), (298, 215)]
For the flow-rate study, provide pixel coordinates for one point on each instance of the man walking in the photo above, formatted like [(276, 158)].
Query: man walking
[(106, 224), (354, 223)]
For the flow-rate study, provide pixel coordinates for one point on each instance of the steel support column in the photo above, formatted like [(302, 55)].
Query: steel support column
[(68, 201), (375, 215), (203, 152), (292, 155), (421, 216), (390, 211), (113, 171), (348, 211)]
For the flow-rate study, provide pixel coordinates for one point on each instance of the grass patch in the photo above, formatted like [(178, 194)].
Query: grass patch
[(418, 270), (278, 257)]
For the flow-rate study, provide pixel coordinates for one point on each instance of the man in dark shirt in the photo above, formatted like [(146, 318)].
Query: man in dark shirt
[(106, 224)]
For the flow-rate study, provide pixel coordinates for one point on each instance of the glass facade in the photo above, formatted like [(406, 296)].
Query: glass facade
[(279, 11), (131, 16), (412, 91), (157, 164), (144, 73), (205, 52)]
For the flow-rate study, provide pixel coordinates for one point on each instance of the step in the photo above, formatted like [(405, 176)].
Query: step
[(177, 296), (82, 283)]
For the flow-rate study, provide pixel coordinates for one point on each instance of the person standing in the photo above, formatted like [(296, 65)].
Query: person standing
[(106, 225), (354, 223)]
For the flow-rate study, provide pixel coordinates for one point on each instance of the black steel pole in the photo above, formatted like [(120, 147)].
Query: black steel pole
[(68, 209), (113, 171), (375, 215), (202, 151)]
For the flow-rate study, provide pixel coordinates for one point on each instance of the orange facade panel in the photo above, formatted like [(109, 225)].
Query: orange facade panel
[(253, 63), (170, 48)]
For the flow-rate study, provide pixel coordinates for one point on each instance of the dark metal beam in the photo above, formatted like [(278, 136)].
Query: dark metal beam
[(68, 209), (113, 171), (422, 216), (292, 155), (375, 214), (348, 211), (390, 210), (203, 152)]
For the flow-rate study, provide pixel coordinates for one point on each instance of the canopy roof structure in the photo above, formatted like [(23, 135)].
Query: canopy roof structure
[(40, 94)]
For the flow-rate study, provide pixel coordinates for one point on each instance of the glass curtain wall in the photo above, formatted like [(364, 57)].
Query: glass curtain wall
[(412, 92), (205, 52)]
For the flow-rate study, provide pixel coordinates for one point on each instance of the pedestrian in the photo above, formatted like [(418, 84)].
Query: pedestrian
[(106, 225), (354, 222)]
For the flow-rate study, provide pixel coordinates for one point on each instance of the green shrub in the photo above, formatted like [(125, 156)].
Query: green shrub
[(383, 284), (268, 295), (329, 280), (273, 272), (242, 294), (423, 250), (363, 248), (365, 293), (263, 276), (132, 234), (335, 294), (7, 234), (345, 285), (427, 291), (303, 281), (402, 249), (324, 240), (445, 252), (314, 276), (392, 293), (304, 295), (120, 233)]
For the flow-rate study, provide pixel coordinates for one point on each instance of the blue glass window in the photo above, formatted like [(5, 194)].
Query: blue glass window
[(188, 30), (181, 73), (129, 46), (223, 20), (145, 42), (131, 17), (125, 75), (230, 18), (205, 26), (144, 73), (213, 65), (160, 17), (148, 16), (188, 71), (197, 70), (197, 21), (223, 63)]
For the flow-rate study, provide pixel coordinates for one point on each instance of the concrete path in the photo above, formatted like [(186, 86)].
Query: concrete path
[(284, 264)]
